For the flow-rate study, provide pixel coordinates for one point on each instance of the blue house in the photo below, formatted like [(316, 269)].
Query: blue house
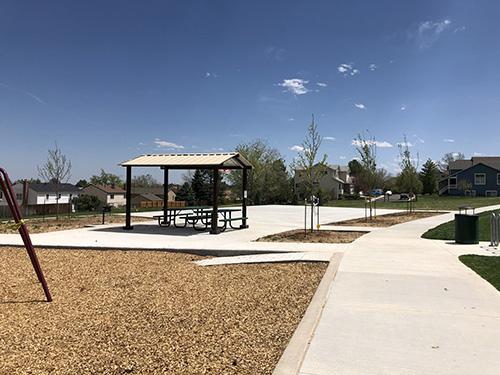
[(481, 174)]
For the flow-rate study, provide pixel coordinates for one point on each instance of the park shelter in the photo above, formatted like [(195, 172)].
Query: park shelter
[(213, 161)]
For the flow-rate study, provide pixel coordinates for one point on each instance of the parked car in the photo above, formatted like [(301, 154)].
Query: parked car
[(377, 192)]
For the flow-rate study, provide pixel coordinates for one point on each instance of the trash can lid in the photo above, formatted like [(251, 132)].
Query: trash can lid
[(465, 208)]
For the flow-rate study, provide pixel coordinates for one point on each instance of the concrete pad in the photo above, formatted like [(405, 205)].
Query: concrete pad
[(268, 258)]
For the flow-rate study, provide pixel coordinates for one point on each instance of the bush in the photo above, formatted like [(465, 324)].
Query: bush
[(86, 203)]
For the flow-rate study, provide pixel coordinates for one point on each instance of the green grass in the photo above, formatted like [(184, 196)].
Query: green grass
[(446, 231), (425, 202), (488, 267)]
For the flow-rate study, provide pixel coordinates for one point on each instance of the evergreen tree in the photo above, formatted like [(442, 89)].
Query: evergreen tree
[(202, 186), (428, 176), (186, 194)]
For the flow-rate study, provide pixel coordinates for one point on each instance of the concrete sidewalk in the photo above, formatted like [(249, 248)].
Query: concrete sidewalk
[(400, 304)]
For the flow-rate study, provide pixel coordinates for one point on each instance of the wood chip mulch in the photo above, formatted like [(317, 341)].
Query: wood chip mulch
[(147, 312), (65, 223), (387, 220), (321, 236)]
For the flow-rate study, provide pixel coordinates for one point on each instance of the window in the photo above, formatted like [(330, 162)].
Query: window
[(491, 193), (498, 179), (19, 196), (47, 196), (480, 178), (453, 182), (111, 196)]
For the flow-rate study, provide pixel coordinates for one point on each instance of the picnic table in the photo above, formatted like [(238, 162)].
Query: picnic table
[(177, 212), (199, 217)]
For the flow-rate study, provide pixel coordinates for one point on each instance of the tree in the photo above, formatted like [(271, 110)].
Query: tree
[(144, 181), (268, 182), (86, 203), (186, 194), (82, 183), (202, 186), (367, 150), (106, 179), (311, 170), (465, 186), (408, 179), (448, 158), (428, 177), (57, 169), (31, 181)]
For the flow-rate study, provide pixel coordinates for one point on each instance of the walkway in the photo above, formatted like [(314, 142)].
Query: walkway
[(400, 304)]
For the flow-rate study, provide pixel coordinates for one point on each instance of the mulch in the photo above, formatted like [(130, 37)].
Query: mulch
[(147, 312)]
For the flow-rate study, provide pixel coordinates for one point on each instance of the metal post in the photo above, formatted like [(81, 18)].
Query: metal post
[(128, 199), (494, 229), (215, 210), (245, 199), (165, 195)]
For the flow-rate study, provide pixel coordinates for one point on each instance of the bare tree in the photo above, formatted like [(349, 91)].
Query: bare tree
[(56, 170)]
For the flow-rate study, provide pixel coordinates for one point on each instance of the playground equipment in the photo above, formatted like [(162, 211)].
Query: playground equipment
[(494, 229), (314, 212), (10, 197)]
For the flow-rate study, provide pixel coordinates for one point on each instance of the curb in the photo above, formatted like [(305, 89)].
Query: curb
[(291, 360)]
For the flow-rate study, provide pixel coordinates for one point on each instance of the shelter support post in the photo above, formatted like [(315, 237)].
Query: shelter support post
[(244, 224), (215, 210), (128, 200), (165, 193)]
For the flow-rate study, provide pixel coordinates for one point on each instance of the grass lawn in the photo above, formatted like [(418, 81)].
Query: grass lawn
[(487, 267), (446, 231), (425, 202)]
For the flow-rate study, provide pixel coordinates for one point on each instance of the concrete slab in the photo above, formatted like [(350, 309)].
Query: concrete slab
[(324, 256)]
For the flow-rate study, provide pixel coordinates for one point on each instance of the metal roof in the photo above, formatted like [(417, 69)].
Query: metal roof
[(228, 160)]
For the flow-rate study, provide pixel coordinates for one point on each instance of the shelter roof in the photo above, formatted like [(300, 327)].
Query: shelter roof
[(228, 160)]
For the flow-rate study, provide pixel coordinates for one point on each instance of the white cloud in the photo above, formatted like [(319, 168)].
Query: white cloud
[(33, 96), (329, 138), (297, 148), (343, 157), (291, 119), (207, 75), (382, 144), (372, 67), (165, 144), (405, 144), (403, 107), (321, 84), (217, 149), (357, 142), (347, 69), (478, 154), (360, 106), (429, 32), (449, 140), (295, 86)]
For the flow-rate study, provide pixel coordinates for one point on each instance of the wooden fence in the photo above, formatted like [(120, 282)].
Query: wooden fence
[(159, 204)]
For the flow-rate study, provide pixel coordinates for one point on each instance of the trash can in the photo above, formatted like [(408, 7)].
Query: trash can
[(466, 226)]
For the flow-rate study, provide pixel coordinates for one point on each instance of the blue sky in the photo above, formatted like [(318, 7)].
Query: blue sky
[(111, 80)]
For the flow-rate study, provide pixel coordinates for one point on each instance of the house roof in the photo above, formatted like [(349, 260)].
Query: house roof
[(228, 160), (490, 161), (149, 197), (156, 191), (51, 188), (109, 189)]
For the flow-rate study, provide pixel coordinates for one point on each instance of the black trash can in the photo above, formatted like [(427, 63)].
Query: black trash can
[(466, 227)]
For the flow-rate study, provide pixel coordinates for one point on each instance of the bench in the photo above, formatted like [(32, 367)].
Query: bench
[(230, 220)]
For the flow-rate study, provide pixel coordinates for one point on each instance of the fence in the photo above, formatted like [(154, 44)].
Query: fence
[(149, 204), (494, 229)]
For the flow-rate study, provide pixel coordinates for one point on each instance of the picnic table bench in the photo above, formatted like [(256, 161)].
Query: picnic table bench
[(199, 217)]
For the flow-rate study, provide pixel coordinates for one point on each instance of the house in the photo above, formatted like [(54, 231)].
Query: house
[(38, 198), (156, 191), (481, 174), (335, 179), (111, 195)]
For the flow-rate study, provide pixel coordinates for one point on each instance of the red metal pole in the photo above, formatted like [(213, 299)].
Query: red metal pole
[(6, 187)]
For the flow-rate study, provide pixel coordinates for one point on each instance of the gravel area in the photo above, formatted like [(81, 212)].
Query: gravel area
[(147, 312)]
